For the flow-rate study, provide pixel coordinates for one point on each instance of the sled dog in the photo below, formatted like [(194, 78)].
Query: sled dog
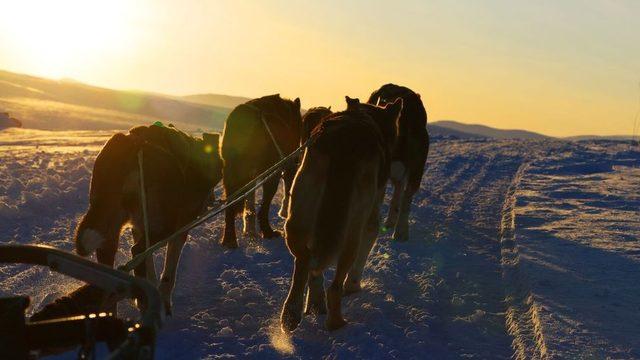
[(180, 173), (334, 207)]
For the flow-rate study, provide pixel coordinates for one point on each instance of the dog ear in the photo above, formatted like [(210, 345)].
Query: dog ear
[(296, 102), (329, 108), (352, 104), (394, 109), (375, 98)]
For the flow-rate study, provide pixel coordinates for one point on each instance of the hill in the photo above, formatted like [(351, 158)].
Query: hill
[(442, 131), (474, 130), (217, 100), (70, 105), (67, 104)]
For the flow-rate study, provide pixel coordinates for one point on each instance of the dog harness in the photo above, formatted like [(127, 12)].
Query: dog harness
[(266, 126)]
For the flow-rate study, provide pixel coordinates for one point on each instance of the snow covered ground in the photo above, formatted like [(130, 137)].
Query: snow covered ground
[(518, 248), (578, 235)]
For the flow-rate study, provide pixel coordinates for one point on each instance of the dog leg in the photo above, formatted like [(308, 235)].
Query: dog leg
[(151, 270), (316, 300), (334, 293), (249, 230), (106, 254), (394, 207), (401, 232), (149, 264), (168, 279), (141, 270), (147, 269), (292, 309), (288, 176), (229, 239), (137, 248), (268, 191), (397, 180), (353, 282)]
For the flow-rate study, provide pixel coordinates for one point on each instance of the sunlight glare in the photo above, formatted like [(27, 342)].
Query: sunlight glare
[(60, 35)]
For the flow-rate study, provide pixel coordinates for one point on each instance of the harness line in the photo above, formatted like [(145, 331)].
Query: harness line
[(264, 122), (273, 139), (150, 266), (239, 195)]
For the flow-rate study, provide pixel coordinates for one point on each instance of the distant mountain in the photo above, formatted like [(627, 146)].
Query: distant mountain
[(471, 130), (224, 101), (437, 130), (70, 105)]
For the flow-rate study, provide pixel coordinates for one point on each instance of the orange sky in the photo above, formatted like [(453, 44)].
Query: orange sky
[(560, 68)]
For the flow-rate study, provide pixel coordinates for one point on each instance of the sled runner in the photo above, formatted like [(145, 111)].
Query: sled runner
[(126, 339)]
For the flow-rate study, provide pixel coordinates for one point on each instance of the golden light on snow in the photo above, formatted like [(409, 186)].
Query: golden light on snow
[(281, 341)]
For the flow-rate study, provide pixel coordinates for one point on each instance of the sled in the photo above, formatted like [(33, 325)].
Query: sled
[(125, 339)]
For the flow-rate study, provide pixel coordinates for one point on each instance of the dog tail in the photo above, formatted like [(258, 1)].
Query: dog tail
[(105, 217)]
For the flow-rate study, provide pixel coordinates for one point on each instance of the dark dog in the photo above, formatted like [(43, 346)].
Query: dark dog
[(311, 119), (256, 135), (409, 154), (180, 173), (335, 202)]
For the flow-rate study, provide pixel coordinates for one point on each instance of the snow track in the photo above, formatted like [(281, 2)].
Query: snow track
[(464, 211), (464, 286), (522, 317), (577, 219)]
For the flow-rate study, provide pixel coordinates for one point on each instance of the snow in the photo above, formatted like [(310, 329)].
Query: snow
[(578, 231), (517, 248)]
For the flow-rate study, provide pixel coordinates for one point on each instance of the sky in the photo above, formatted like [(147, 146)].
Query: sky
[(557, 67)]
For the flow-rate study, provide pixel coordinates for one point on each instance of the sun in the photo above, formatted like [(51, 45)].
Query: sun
[(57, 36)]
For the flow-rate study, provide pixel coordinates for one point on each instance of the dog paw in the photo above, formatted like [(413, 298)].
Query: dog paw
[(229, 244), (335, 323), (290, 319)]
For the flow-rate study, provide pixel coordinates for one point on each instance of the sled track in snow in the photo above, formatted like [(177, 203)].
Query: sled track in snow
[(462, 204), (522, 312)]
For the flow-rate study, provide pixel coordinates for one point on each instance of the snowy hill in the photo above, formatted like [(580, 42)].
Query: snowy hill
[(436, 130), (488, 132), (223, 101), (70, 105), (519, 248)]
